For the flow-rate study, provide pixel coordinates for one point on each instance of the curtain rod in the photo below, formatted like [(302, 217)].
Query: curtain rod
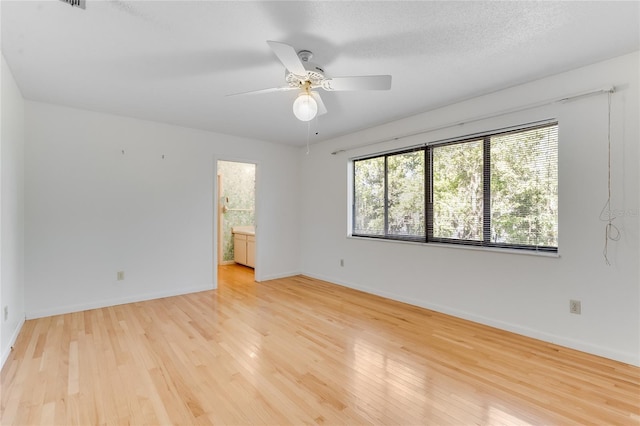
[(607, 89)]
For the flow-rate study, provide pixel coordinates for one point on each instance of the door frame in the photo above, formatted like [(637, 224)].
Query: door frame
[(218, 218)]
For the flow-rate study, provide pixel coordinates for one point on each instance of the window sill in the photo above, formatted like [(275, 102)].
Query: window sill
[(462, 246)]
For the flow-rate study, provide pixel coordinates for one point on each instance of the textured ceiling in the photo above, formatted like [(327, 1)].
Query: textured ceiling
[(174, 61)]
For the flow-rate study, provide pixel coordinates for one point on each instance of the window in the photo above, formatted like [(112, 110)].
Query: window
[(458, 191), (524, 188), (369, 180), (390, 200), (495, 190)]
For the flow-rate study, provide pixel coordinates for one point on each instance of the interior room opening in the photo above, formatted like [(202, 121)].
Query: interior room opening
[(236, 218)]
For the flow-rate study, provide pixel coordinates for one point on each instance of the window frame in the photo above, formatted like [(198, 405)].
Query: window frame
[(428, 212), (386, 235)]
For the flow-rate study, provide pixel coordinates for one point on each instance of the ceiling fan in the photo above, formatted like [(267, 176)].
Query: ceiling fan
[(305, 76)]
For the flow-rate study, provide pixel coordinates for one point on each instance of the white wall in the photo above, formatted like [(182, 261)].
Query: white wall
[(527, 294), (11, 212), (91, 210)]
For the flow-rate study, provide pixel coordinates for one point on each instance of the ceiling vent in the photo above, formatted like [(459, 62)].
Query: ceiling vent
[(82, 4)]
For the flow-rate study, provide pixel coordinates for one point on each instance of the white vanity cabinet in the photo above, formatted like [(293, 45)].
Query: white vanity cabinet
[(240, 248), (251, 251), (244, 248)]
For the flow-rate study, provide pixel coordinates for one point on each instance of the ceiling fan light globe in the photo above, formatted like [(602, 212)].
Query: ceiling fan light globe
[(305, 108)]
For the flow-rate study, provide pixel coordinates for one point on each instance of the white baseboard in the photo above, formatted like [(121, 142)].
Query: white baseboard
[(60, 310), (625, 357), (277, 276), (12, 341)]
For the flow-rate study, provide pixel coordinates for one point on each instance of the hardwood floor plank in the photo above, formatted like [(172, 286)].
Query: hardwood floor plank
[(300, 351)]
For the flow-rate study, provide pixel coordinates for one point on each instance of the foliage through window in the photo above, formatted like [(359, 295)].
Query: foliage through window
[(457, 191), (497, 190)]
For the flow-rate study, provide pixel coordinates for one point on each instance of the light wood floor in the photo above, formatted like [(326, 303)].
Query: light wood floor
[(299, 351)]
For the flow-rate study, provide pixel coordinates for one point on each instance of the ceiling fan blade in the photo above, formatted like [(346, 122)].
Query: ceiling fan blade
[(365, 82), (289, 58), (270, 90), (321, 108)]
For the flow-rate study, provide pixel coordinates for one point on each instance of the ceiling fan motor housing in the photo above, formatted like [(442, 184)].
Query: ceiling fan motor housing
[(315, 75)]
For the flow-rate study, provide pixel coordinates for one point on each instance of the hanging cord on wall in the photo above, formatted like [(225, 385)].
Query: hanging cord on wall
[(611, 231)]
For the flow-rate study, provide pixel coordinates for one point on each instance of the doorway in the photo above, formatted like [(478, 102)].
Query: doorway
[(236, 225)]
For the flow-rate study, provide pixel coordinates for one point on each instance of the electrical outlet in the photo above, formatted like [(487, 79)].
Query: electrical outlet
[(575, 307), (5, 314), (120, 275), (341, 262)]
